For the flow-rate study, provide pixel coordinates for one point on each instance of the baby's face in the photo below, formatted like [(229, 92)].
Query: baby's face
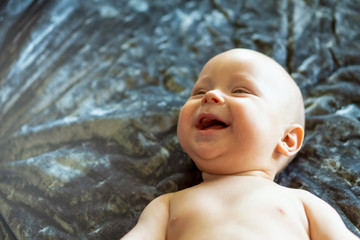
[(232, 121)]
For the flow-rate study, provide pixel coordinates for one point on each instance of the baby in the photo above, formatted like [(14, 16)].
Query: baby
[(242, 124)]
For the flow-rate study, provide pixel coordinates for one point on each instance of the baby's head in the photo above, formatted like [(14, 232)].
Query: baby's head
[(245, 116)]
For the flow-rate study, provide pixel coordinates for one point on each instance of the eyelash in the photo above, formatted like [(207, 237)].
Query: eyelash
[(235, 91), (199, 92), (241, 91)]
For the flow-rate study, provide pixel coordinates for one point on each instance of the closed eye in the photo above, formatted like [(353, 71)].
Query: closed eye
[(241, 91), (198, 92)]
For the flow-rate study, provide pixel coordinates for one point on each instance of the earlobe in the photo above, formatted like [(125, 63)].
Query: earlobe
[(291, 143)]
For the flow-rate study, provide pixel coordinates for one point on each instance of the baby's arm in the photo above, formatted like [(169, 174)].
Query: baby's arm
[(152, 222), (324, 222)]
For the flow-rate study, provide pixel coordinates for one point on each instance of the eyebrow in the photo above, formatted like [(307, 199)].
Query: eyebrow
[(203, 80), (249, 79), (243, 77)]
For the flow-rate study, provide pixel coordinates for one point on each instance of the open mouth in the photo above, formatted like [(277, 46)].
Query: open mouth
[(210, 122)]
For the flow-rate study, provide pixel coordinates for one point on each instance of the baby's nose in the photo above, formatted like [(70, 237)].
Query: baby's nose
[(213, 96)]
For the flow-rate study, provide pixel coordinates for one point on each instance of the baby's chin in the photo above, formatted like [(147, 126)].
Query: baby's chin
[(215, 170)]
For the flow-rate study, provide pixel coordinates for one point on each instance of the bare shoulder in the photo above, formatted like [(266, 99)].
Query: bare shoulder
[(314, 205), (158, 205), (324, 221), (157, 208), (153, 220), (163, 199), (307, 197)]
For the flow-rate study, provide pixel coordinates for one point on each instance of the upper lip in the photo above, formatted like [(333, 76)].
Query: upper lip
[(209, 116)]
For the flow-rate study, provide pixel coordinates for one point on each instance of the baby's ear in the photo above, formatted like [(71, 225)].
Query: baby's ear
[(291, 142)]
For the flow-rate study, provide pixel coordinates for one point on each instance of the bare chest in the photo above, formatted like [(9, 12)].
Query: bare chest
[(223, 212)]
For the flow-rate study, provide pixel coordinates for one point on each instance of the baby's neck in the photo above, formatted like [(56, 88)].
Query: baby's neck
[(209, 177)]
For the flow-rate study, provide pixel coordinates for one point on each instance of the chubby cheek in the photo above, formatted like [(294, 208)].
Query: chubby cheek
[(184, 125), (253, 127)]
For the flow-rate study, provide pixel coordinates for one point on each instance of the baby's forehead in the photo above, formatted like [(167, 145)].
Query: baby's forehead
[(243, 61), (237, 67), (231, 78), (253, 68)]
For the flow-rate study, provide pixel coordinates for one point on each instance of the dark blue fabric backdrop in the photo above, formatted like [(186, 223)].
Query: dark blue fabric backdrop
[(90, 93)]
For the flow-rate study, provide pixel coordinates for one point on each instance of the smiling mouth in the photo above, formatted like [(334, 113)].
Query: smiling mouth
[(207, 123)]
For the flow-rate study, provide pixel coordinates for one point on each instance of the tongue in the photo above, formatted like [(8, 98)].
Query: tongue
[(208, 123)]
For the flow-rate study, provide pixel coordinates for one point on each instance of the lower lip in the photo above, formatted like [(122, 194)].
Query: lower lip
[(211, 130)]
